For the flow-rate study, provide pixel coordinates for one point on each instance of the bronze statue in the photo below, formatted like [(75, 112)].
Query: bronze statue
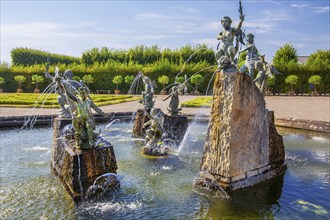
[(148, 94), (154, 132), (227, 37), (174, 102), (251, 56)]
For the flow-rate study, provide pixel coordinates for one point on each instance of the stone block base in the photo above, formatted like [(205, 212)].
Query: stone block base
[(78, 169), (250, 178)]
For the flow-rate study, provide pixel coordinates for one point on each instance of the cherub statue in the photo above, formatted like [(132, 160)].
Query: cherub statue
[(251, 56), (265, 70), (67, 106), (174, 102), (148, 94), (227, 36), (82, 118), (154, 132)]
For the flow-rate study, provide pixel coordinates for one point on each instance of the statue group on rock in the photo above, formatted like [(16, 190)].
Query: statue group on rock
[(227, 52)]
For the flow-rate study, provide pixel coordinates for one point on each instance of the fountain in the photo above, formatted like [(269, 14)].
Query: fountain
[(80, 157), (242, 146), (156, 127)]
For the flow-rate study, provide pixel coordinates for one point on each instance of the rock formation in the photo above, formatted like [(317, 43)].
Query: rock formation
[(242, 146)]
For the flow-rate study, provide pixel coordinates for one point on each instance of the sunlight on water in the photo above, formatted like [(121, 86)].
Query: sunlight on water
[(161, 188)]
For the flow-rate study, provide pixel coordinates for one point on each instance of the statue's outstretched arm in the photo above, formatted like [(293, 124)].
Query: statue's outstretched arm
[(97, 109)]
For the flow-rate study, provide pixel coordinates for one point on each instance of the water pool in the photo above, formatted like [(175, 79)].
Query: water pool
[(162, 188)]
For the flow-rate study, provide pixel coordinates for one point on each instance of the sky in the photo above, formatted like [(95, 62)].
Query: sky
[(72, 27)]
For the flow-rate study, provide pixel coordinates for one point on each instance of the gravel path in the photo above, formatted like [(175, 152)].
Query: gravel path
[(299, 107)]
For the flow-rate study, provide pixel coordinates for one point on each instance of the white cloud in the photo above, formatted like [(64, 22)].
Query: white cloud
[(319, 10), (299, 5)]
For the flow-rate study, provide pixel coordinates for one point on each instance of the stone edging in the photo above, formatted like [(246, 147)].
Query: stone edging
[(311, 125)]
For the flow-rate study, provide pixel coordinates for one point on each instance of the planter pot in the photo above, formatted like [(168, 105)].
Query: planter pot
[(1, 90), (19, 90), (117, 91), (36, 90), (163, 92), (291, 94), (315, 93)]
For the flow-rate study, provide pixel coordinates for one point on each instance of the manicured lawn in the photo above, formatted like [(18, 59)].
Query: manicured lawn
[(202, 102), (50, 100)]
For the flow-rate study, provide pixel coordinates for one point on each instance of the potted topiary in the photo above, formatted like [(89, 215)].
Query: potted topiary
[(2, 81), (315, 80), (35, 80), (197, 80), (117, 80), (164, 80), (20, 79), (292, 80)]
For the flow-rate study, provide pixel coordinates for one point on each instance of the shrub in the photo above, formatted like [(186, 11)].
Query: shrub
[(164, 80), (2, 81), (197, 80), (118, 80), (20, 79), (292, 80), (88, 79), (315, 80), (37, 79)]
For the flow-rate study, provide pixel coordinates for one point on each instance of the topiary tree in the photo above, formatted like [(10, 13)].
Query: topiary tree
[(292, 80), (88, 79), (20, 79), (286, 55), (118, 80), (196, 80), (36, 79), (164, 80), (315, 80), (2, 81), (129, 80), (179, 79)]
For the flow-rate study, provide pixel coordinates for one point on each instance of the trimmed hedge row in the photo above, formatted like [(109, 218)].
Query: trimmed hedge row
[(29, 57)]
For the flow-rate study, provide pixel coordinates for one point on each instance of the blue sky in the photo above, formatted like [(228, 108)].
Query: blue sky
[(71, 27)]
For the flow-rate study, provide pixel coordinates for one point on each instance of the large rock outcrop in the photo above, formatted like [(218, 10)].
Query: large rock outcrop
[(242, 146)]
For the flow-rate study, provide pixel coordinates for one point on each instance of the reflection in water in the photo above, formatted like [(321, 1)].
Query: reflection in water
[(162, 188)]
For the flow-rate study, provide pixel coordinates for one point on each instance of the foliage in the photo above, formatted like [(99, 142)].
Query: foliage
[(129, 79), (50, 101), (2, 80), (204, 102), (286, 55), (315, 80), (118, 80), (20, 79), (36, 79), (196, 80), (319, 60), (76, 78), (164, 80), (292, 80), (179, 79), (28, 57), (88, 79)]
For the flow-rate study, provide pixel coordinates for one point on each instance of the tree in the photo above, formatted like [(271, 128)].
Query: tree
[(2, 80), (319, 60), (292, 80), (20, 79), (315, 80), (37, 79), (88, 79), (179, 79), (118, 80), (286, 55), (129, 79), (196, 80), (271, 81), (164, 80)]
